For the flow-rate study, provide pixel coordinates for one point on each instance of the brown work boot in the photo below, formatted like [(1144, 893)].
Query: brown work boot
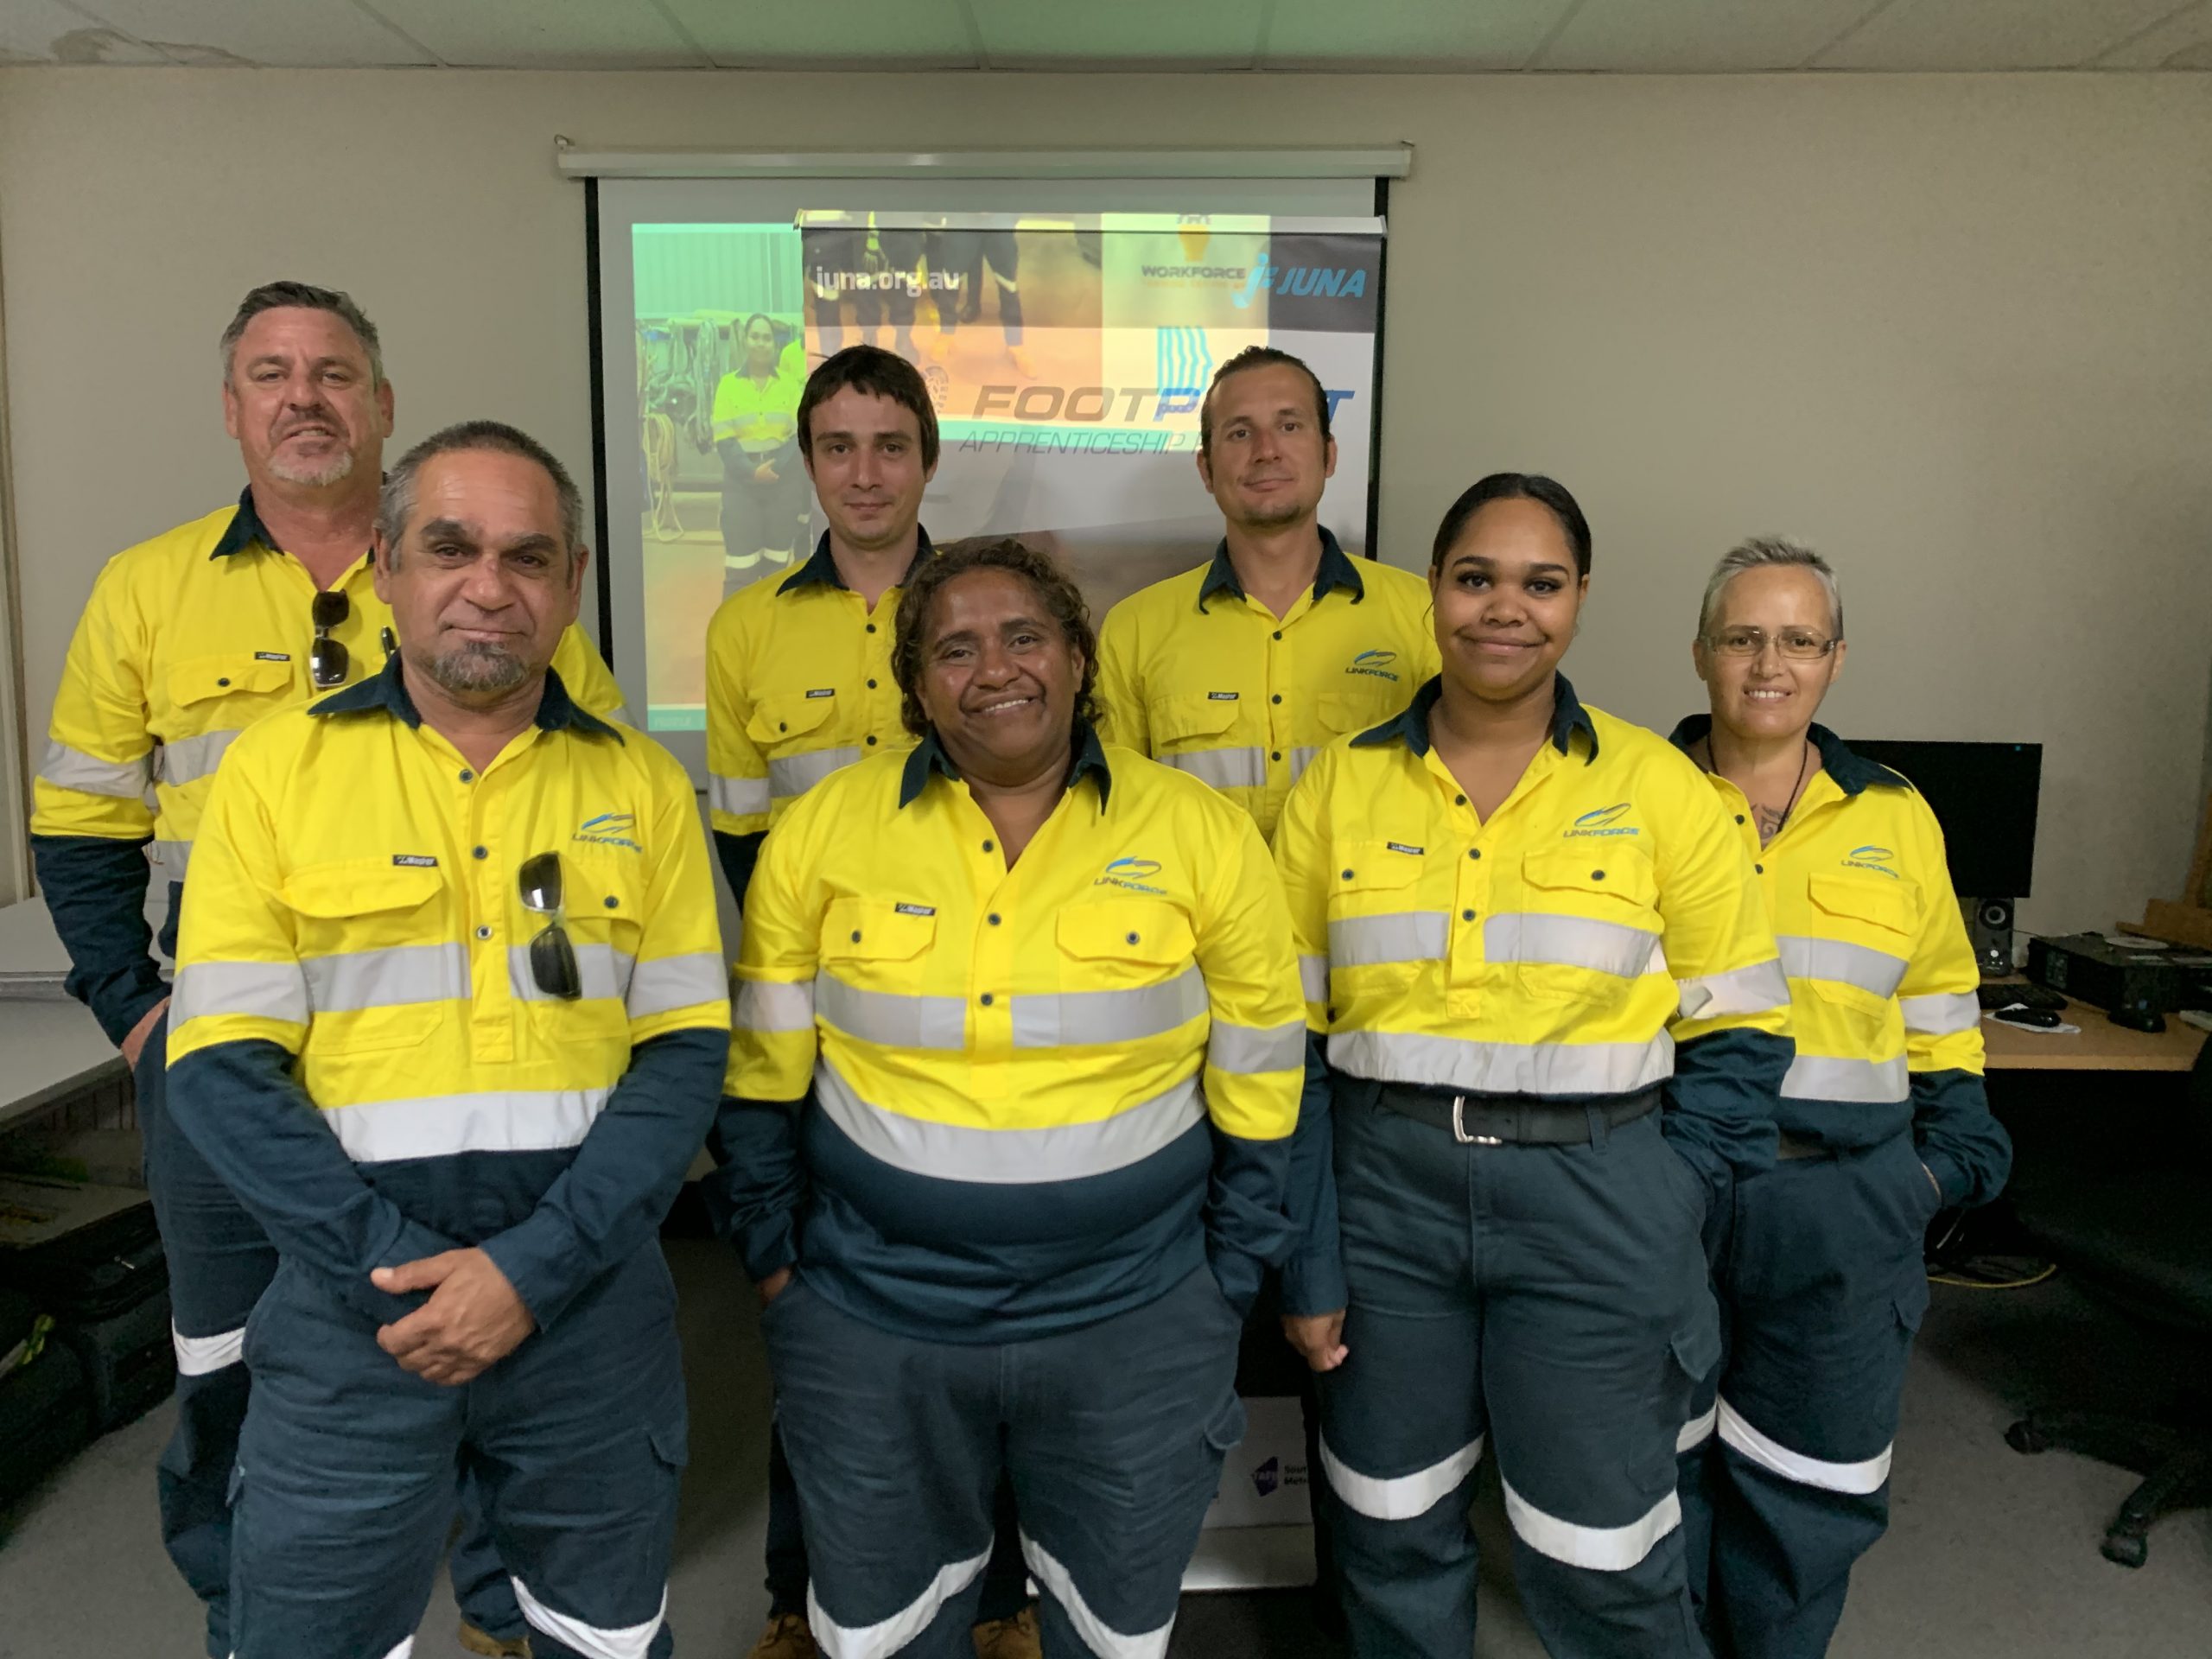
[(786, 1638), (491, 1646), (1010, 1638)]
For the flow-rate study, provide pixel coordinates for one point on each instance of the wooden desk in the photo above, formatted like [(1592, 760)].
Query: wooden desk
[(2099, 1046)]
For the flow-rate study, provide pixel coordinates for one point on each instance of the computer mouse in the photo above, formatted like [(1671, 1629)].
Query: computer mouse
[(2047, 1019)]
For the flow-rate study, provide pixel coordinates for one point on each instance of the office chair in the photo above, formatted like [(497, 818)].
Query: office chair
[(2142, 1242)]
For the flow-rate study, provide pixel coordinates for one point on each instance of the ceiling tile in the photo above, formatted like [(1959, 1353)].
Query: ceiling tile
[(852, 31), (1408, 34), (1696, 36), (1992, 33), (297, 34), (44, 31), (2181, 41), (544, 34), (1211, 34)]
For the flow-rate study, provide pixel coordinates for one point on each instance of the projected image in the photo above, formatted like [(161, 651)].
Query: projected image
[(1066, 354)]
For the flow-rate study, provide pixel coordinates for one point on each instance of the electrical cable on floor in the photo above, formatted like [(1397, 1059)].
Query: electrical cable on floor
[(1993, 1273)]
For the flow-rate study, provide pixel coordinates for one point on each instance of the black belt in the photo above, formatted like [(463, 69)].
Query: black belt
[(1480, 1121)]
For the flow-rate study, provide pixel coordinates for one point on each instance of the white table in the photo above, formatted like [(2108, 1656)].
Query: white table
[(50, 1047)]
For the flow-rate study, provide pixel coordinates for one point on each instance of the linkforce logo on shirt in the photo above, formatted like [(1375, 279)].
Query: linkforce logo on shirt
[(1873, 858), (609, 829), (1605, 821), (1375, 664), (1131, 873)]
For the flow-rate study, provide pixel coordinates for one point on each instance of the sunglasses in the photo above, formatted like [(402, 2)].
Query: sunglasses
[(552, 956), (327, 661)]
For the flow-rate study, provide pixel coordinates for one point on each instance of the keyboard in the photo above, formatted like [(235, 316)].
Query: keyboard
[(2007, 993)]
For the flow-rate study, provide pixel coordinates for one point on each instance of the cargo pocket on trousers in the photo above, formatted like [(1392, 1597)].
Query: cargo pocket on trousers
[(671, 1444), (1696, 1346), (1911, 1301)]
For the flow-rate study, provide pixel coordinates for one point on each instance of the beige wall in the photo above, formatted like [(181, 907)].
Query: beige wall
[(1957, 331)]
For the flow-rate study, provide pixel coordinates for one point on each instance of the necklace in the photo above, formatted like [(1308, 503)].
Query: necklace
[(1768, 832)]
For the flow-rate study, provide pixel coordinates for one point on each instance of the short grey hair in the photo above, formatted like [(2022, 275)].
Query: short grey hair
[(396, 504), (305, 296), (1757, 553)]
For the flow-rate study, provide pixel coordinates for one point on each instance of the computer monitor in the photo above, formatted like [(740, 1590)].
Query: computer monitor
[(1984, 795)]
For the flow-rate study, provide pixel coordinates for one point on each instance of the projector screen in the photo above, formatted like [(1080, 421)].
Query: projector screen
[(1066, 329)]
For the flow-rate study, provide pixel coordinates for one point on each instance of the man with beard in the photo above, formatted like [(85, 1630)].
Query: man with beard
[(187, 640), (451, 1015), (1241, 670)]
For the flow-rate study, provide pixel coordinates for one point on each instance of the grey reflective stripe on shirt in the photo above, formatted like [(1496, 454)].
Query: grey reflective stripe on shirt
[(1250, 1050), (1941, 1013), (186, 759), (1503, 1068), (603, 970), (1753, 990), (1066, 1151), (890, 1019), (664, 984), (1876, 972), (1237, 768), (1074, 1018), (790, 775), (261, 990), (68, 768), (444, 1125), (770, 1005), (1314, 978), (1569, 942), (403, 974), (741, 796), (1405, 935), (1874, 1083), (1302, 758)]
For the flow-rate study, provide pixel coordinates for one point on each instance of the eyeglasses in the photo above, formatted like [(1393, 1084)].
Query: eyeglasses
[(327, 663), (552, 958), (1799, 645)]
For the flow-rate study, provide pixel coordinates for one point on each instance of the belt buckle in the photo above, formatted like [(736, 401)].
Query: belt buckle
[(1459, 1128)]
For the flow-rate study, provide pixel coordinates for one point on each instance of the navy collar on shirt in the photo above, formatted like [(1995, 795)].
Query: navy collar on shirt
[(1090, 756), (820, 570), (244, 531), (557, 710), (1337, 569), (1853, 772), (1411, 728)]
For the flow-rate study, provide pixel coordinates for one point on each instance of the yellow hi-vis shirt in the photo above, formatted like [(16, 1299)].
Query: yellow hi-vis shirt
[(1194, 673), (761, 418), (356, 906), (1882, 977), (1020, 1083), (1603, 917), (798, 684), (188, 639)]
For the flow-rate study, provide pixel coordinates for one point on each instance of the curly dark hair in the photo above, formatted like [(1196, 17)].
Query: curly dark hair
[(1062, 601)]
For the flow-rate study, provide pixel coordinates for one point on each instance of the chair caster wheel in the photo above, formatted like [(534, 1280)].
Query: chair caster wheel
[(2024, 1436), (2126, 1548)]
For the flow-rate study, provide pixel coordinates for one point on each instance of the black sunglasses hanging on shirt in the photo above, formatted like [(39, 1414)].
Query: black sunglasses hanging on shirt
[(327, 661), (552, 956)]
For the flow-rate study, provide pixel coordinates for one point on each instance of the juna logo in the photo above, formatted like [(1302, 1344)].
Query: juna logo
[(1267, 277), (1374, 662), (1267, 1477), (1604, 821), (1873, 858), (1133, 874)]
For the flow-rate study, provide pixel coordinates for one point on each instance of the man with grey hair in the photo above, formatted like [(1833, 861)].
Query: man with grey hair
[(187, 640), (451, 1017)]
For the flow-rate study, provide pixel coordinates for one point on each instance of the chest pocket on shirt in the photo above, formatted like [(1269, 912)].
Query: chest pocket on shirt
[(225, 693), (1194, 721), (873, 944), (603, 906), (1353, 711), (373, 939), (1120, 944), (1376, 920), (1875, 913), (785, 718), (1588, 924)]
